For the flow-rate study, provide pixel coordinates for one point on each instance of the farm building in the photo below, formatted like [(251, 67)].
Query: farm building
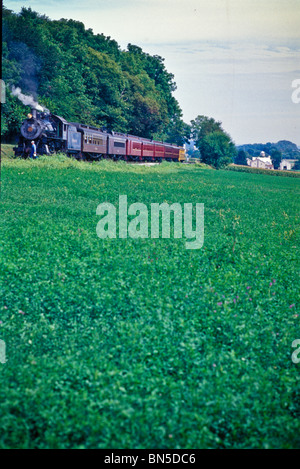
[(287, 164), (261, 161)]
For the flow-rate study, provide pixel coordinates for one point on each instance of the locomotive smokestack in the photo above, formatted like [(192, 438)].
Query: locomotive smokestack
[(33, 112)]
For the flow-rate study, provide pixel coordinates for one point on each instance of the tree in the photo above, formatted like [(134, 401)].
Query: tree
[(241, 158), (215, 145), (13, 112), (193, 154), (202, 126), (217, 149), (276, 157), (296, 166)]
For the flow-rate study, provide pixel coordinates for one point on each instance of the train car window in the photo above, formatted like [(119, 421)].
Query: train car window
[(85, 138), (119, 144), (65, 127), (90, 139)]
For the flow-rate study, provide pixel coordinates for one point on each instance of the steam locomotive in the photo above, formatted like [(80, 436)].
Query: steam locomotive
[(52, 134)]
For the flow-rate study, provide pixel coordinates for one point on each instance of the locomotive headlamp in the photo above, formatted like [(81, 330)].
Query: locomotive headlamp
[(29, 116)]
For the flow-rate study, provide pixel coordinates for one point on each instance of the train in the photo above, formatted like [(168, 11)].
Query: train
[(52, 133)]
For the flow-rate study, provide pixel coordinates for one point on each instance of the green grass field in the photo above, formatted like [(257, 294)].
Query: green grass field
[(142, 343)]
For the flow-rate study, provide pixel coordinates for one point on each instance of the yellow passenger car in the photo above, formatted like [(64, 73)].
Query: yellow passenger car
[(182, 155)]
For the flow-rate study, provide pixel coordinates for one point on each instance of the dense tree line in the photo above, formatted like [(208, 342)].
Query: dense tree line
[(86, 77), (285, 147)]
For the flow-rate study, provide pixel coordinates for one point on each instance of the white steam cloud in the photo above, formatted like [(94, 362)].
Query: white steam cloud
[(27, 100)]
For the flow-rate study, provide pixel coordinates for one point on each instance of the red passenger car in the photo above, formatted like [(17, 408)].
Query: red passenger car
[(148, 149), (159, 151), (171, 152), (134, 148)]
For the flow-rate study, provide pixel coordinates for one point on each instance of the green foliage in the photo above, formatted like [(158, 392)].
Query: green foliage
[(217, 149), (241, 158), (285, 147), (215, 145), (268, 172), (297, 166), (202, 126), (12, 114), (194, 154), (7, 151), (177, 132), (87, 78), (142, 343), (276, 157)]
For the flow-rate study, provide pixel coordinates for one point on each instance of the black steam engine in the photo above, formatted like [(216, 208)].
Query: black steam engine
[(48, 131), (52, 134)]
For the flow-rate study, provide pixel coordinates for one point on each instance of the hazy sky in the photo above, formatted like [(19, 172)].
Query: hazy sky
[(234, 60)]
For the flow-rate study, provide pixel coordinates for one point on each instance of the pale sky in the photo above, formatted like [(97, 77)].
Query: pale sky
[(233, 60)]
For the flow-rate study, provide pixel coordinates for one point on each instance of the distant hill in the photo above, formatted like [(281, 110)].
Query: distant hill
[(287, 148)]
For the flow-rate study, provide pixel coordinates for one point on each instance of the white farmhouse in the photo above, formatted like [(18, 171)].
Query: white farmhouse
[(262, 161), (287, 164)]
